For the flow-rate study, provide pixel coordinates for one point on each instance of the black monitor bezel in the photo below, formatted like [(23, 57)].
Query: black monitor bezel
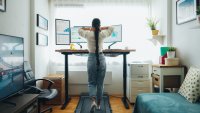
[(14, 93), (56, 31)]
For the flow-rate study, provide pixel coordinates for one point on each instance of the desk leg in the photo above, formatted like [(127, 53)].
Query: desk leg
[(124, 98), (67, 98)]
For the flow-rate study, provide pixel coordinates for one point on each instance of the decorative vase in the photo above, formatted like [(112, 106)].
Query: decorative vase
[(155, 32), (171, 54)]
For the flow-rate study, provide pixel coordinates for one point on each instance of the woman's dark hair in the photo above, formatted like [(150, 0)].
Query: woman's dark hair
[(96, 24)]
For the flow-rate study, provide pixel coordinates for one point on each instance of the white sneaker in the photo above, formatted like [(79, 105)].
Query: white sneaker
[(98, 107), (93, 107)]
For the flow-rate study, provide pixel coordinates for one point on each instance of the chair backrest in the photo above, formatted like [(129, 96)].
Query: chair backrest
[(29, 77)]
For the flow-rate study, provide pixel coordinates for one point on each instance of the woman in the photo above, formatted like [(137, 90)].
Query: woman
[(96, 61)]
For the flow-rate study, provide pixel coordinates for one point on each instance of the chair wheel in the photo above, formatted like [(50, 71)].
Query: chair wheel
[(51, 109)]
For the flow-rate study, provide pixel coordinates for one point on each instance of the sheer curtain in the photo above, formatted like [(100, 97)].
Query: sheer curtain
[(131, 14)]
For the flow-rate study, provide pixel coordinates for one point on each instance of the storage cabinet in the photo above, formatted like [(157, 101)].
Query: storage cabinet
[(137, 80), (26, 103), (167, 76), (59, 84)]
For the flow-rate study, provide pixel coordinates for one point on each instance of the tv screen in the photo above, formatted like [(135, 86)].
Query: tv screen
[(11, 65), (116, 36)]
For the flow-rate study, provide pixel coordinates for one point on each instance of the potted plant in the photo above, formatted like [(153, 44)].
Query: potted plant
[(198, 13), (171, 52), (152, 24)]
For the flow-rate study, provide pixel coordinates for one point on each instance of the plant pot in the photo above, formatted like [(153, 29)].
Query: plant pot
[(155, 32), (171, 54), (198, 18)]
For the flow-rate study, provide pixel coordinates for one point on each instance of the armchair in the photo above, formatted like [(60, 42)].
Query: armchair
[(30, 87)]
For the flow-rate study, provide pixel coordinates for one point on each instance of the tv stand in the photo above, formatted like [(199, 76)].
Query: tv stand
[(26, 103), (10, 103), (111, 45)]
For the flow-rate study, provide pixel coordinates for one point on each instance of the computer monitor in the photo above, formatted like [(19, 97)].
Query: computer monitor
[(11, 65), (116, 35), (75, 37)]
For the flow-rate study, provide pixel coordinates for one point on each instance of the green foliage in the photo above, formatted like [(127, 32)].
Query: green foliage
[(152, 23), (198, 10), (172, 49)]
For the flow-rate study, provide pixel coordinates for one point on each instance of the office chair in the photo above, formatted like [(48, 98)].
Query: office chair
[(30, 87)]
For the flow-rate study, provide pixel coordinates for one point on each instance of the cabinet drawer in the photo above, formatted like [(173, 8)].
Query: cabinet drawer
[(145, 76), (136, 91), (139, 69), (140, 83), (156, 70)]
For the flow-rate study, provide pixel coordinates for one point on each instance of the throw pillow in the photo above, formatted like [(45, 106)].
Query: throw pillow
[(190, 87)]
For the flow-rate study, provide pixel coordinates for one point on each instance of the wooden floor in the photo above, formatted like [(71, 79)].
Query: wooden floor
[(116, 105)]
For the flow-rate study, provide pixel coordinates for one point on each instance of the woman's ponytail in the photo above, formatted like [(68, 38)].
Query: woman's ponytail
[(96, 25), (97, 44)]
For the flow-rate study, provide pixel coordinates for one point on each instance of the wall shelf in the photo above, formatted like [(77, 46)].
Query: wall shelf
[(157, 38)]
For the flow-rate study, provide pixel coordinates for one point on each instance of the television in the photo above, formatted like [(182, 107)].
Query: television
[(116, 36), (11, 65)]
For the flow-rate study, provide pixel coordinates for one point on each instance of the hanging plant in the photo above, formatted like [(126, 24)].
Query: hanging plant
[(152, 23)]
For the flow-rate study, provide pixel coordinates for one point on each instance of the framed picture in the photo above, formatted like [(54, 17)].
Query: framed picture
[(3, 5), (185, 11), (63, 34), (42, 22), (41, 39)]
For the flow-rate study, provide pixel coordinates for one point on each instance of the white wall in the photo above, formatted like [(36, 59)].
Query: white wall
[(39, 54), (20, 20), (161, 9), (16, 22), (186, 40)]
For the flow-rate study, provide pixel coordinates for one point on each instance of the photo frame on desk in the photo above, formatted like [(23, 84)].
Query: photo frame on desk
[(185, 11), (3, 5), (42, 22), (41, 39), (62, 32)]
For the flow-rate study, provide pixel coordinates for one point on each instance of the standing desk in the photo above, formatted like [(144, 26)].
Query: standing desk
[(113, 52)]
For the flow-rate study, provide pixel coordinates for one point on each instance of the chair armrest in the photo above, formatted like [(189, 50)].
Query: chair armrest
[(39, 90), (50, 82)]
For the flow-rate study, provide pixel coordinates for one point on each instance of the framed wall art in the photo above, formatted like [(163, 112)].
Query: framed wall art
[(63, 34), (42, 22), (2, 5), (185, 11), (41, 39)]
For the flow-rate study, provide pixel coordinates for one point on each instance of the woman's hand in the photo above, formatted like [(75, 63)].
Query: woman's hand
[(86, 28), (93, 29), (104, 28)]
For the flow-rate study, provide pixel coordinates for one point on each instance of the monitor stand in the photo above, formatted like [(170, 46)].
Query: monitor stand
[(111, 45), (8, 102), (79, 45)]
